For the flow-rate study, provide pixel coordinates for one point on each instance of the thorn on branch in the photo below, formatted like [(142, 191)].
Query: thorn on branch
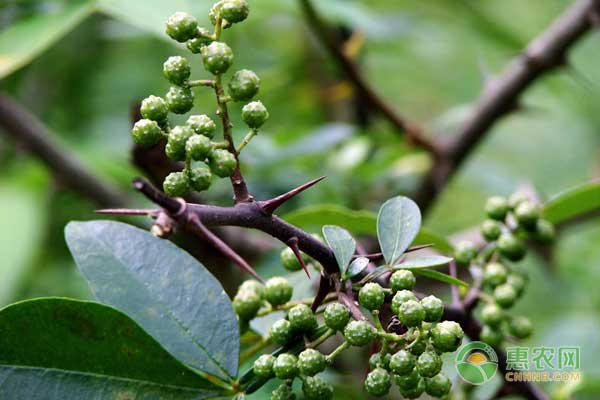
[(293, 244), (173, 206), (324, 289), (269, 206)]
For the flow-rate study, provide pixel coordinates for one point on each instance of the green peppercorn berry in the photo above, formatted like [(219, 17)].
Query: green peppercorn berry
[(527, 214), (278, 291), (505, 295), (255, 114), (491, 230), (418, 346), (246, 304), (403, 362), (217, 57), (411, 313), (234, 10), (176, 142), (544, 231), (434, 308), (177, 70), (465, 252), (408, 381), (203, 39), (244, 85), (216, 10), (378, 382), (146, 132), (518, 282), (400, 297), (371, 296), (492, 315), (202, 125), (181, 26), (311, 362), (429, 364), (198, 147), (263, 366), (511, 247), (515, 199), (286, 366), (438, 386), (289, 260), (378, 360), (402, 280), (302, 318), (316, 388), (283, 392), (359, 333), (495, 274), (336, 316), (496, 207), (520, 327), (254, 286), (491, 336), (281, 332), (154, 108), (222, 163), (414, 392), (176, 184), (179, 99), (447, 336), (200, 177)]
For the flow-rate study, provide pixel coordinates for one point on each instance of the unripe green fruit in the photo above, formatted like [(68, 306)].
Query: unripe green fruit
[(527, 214), (464, 253), (179, 100), (408, 381), (438, 386), (198, 147), (336, 316), (203, 39), (181, 26), (281, 332), (177, 70), (263, 366), (378, 382), (222, 163), (146, 132), (202, 125), (491, 336), (278, 291), (496, 207), (154, 108), (234, 10), (403, 362), (285, 366), (283, 392), (492, 315), (359, 333), (246, 304), (518, 283), (495, 274), (505, 295), (255, 114), (434, 308), (254, 286), (418, 347), (447, 336), (200, 178), (402, 280), (429, 364), (302, 318), (176, 184), (371, 296), (316, 388), (176, 142), (216, 10), (515, 199), (378, 360), (491, 230), (520, 327), (414, 392), (544, 231), (511, 247), (289, 260), (400, 297), (311, 362), (244, 85), (217, 57), (411, 313)]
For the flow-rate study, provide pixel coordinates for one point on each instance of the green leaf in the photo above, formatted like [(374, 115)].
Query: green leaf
[(21, 42), (572, 203), (62, 349), (438, 276), (163, 288), (398, 223), (423, 262), (356, 267), (342, 244)]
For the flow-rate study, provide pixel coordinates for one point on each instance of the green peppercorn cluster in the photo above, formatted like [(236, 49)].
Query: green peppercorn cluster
[(192, 142)]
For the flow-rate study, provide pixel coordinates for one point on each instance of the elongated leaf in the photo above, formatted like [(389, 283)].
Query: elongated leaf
[(398, 223), (342, 244), (572, 203), (438, 276), (423, 262), (164, 289), (356, 267), (62, 349)]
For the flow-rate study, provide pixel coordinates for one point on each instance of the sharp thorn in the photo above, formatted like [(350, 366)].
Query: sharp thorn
[(269, 206), (293, 244)]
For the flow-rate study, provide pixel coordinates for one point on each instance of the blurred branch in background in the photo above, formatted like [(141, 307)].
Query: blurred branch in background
[(26, 129)]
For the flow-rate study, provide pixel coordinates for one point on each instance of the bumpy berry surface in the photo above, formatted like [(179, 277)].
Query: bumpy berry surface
[(254, 286), (495, 274), (179, 100), (496, 208), (491, 336), (491, 230), (316, 388), (181, 26), (195, 45), (527, 214), (415, 391), (378, 382), (154, 108), (202, 125), (177, 70), (222, 163), (311, 362), (283, 392), (511, 247), (520, 327), (336, 316), (434, 308), (418, 347), (281, 331), (399, 298), (515, 199), (198, 147), (429, 364), (402, 362), (285, 366), (411, 313), (255, 114), (244, 85), (302, 318), (263, 366), (146, 132), (402, 280), (200, 178), (409, 381), (544, 231), (465, 252), (359, 333), (438, 386), (289, 260), (176, 142), (278, 291), (176, 184), (518, 282), (447, 336), (234, 10), (246, 304), (217, 57), (492, 315), (371, 296), (505, 295)]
